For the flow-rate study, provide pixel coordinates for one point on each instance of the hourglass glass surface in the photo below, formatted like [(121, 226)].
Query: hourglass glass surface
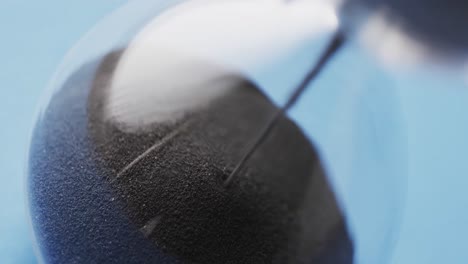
[(134, 145)]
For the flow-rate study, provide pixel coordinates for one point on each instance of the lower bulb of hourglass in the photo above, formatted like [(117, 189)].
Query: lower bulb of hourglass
[(130, 153)]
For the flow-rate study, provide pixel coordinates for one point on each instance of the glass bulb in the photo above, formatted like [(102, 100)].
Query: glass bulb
[(151, 111)]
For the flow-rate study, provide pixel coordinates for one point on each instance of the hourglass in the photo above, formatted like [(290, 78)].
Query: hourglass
[(196, 132)]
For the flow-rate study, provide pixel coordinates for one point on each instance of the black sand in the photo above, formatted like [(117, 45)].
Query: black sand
[(169, 178)]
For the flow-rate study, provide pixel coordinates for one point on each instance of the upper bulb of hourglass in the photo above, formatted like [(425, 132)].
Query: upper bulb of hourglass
[(424, 30)]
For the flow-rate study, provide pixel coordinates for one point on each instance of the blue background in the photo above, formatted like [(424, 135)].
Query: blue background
[(35, 35)]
